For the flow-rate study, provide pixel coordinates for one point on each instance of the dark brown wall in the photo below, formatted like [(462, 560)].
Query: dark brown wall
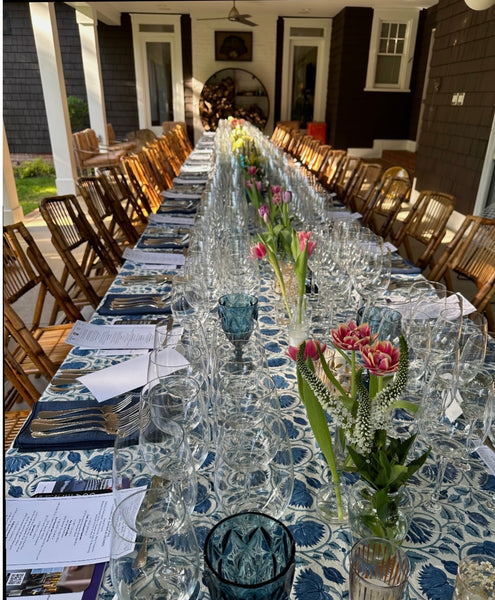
[(118, 75), (356, 117), (453, 139)]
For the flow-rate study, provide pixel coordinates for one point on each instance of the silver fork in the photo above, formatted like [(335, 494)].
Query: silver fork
[(115, 408), (153, 301), (144, 279)]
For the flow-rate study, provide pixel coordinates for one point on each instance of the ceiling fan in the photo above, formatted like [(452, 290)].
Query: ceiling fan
[(234, 16)]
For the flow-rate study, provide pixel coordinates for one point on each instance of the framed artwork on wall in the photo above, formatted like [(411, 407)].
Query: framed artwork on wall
[(234, 45)]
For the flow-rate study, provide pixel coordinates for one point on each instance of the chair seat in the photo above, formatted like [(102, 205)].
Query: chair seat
[(52, 340), (13, 421)]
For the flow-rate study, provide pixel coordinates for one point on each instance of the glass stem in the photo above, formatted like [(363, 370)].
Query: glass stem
[(434, 500)]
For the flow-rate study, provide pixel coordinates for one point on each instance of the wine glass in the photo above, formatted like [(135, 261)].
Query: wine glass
[(454, 418), (254, 467), (178, 397), (154, 550), (472, 346), (238, 313), (164, 452)]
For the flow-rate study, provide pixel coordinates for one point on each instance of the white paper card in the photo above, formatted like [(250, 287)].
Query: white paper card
[(155, 258), (487, 455), (126, 376), (108, 337), (170, 220), (59, 530)]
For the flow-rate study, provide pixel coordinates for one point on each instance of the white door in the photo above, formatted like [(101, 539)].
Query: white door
[(158, 63), (305, 69)]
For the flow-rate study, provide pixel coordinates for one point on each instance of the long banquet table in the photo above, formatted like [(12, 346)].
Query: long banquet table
[(434, 543)]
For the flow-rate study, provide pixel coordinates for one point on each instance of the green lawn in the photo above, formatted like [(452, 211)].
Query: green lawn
[(31, 189)]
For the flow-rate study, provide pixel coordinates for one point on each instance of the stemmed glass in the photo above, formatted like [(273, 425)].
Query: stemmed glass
[(253, 466), (154, 550), (454, 418), (238, 313), (165, 453)]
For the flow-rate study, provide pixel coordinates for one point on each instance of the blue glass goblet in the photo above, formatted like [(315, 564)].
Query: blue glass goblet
[(238, 314), (249, 556)]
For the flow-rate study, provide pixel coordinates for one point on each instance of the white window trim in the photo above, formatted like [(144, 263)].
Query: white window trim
[(323, 45), (410, 18), (142, 88)]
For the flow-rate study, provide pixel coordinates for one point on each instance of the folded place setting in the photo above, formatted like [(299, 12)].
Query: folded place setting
[(78, 436)]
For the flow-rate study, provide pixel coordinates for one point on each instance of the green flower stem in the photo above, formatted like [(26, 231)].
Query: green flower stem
[(353, 374), (318, 422), (278, 274)]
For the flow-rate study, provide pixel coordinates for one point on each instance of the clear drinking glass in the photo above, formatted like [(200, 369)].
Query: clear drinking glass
[(154, 551), (378, 569), (454, 418)]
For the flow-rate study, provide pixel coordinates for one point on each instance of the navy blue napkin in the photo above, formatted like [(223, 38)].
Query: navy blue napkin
[(165, 244), (403, 266), (85, 440), (105, 307)]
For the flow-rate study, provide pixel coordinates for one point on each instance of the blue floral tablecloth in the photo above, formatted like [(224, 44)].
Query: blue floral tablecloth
[(434, 542)]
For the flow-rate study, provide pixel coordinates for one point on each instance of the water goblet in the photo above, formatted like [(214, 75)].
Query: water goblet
[(154, 551), (164, 453), (238, 313), (454, 417), (254, 467)]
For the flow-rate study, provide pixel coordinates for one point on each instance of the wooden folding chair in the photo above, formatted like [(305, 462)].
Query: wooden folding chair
[(330, 168), (346, 174), (22, 388), (169, 157), (471, 254), (362, 186), (37, 351), (25, 271), (85, 259), (426, 223), (102, 217), (117, 187), (319, 156), (12, 423), (385, 204), (141, 182)]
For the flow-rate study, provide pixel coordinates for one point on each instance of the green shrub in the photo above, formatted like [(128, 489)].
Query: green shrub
[(34, 168), (78, 113)]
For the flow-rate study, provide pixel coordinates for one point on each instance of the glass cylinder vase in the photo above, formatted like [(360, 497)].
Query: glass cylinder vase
[(370, 515)]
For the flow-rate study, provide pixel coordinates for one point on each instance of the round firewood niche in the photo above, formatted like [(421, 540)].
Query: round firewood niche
[(233, 93)]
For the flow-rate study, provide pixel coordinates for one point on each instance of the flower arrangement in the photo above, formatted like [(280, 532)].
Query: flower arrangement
[(360, 412)]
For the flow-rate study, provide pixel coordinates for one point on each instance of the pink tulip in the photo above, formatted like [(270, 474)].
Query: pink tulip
[(252, 170), (258, 251), (310, 350), (352, 336), (305, 241), (264, 212), (382, 358), (258, 185), (275, 189), (277, 199), (287, 196)]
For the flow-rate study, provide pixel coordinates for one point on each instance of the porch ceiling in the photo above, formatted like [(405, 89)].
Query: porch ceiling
[(109, 12)]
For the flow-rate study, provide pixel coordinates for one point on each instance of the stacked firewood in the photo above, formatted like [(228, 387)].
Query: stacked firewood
[(217, 102)]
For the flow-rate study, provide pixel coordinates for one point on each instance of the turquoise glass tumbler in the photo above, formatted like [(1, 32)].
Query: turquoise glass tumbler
[(249, 556)]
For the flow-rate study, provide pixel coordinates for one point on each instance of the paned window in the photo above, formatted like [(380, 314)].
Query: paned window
[(391, 50)]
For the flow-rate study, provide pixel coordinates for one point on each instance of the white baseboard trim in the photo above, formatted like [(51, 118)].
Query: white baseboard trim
[(380, 145)]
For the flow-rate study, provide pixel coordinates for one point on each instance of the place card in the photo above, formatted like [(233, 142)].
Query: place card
[(171, 220), (126, 376), (155, 258), (108, 337)]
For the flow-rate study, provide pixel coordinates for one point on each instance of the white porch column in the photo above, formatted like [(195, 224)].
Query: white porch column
[(54, 93), (12, 210), (88, 32)]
